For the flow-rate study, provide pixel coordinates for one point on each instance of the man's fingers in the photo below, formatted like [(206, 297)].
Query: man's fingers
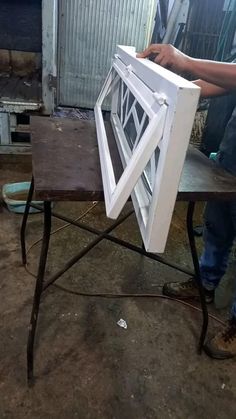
[(159, 59), (152, 49), (164, 61), (166, 56), (145, 53)]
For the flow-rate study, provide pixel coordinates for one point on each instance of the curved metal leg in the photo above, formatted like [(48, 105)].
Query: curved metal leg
[(194, 254), (24, 221), (38, 291)]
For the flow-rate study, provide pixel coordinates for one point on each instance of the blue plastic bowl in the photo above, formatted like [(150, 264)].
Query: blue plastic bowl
[(14, 205)]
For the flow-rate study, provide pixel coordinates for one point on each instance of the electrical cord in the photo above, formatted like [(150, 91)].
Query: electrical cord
[(64, 226), (112, 295), (128, 295), (132, 295)]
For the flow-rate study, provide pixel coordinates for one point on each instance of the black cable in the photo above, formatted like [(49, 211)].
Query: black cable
[(134, 295)]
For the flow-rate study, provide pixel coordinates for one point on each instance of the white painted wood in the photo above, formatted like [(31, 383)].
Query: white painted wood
[(15, 149), (14, 106), (145, 95), (49, 53), (5, 132)]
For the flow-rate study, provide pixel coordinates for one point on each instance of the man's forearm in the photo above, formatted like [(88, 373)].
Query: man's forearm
[(209, 89), (220, 74), (216, 73)]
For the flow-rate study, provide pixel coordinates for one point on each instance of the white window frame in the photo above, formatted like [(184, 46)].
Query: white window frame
[(170, 103)]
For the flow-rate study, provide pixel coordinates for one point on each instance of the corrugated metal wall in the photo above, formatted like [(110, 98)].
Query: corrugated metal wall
[(89, 31)]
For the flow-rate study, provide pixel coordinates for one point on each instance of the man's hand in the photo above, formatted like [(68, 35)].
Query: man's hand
[(212, 72), (168, 56)]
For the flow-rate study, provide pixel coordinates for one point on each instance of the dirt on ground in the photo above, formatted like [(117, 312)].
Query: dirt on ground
[(86, 366)]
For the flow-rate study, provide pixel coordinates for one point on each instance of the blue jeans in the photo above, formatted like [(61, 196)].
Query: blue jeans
[(219, 234), (220, 217)]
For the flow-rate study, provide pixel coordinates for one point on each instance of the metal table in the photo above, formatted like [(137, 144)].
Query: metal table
[(66, 167)]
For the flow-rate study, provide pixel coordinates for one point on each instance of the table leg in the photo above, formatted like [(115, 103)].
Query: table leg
[(113, 239), (194, 254), (38, 290), (85, 250), (24, 221)]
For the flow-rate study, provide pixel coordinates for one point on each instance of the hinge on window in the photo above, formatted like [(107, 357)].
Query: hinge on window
[(52, 81)]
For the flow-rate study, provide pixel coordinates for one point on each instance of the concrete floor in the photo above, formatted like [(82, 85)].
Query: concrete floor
[(86, 366)]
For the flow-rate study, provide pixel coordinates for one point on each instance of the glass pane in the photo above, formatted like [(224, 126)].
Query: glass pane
[(131, 101), (139, 111), (144, 126), (149, 173), (130, 131), (124, 107), (119, 100), (124, 89)]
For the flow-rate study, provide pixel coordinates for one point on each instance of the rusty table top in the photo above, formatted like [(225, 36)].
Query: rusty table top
[(66, 165)]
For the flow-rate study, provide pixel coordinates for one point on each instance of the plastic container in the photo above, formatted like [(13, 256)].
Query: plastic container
[(14, 204), (213, 156)]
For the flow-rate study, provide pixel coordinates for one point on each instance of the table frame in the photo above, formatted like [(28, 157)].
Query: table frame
[(73, 174), (42, 285)]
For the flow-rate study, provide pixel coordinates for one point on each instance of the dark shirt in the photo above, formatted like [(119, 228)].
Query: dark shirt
[(226, 155)]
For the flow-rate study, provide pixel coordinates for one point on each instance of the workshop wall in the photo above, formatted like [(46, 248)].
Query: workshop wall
[(88, 34)]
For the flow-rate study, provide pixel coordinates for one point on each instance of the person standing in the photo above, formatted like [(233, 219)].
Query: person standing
[(214, 79)]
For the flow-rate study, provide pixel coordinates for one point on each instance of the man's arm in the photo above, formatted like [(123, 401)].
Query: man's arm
[(209, 89), (220, 74)]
